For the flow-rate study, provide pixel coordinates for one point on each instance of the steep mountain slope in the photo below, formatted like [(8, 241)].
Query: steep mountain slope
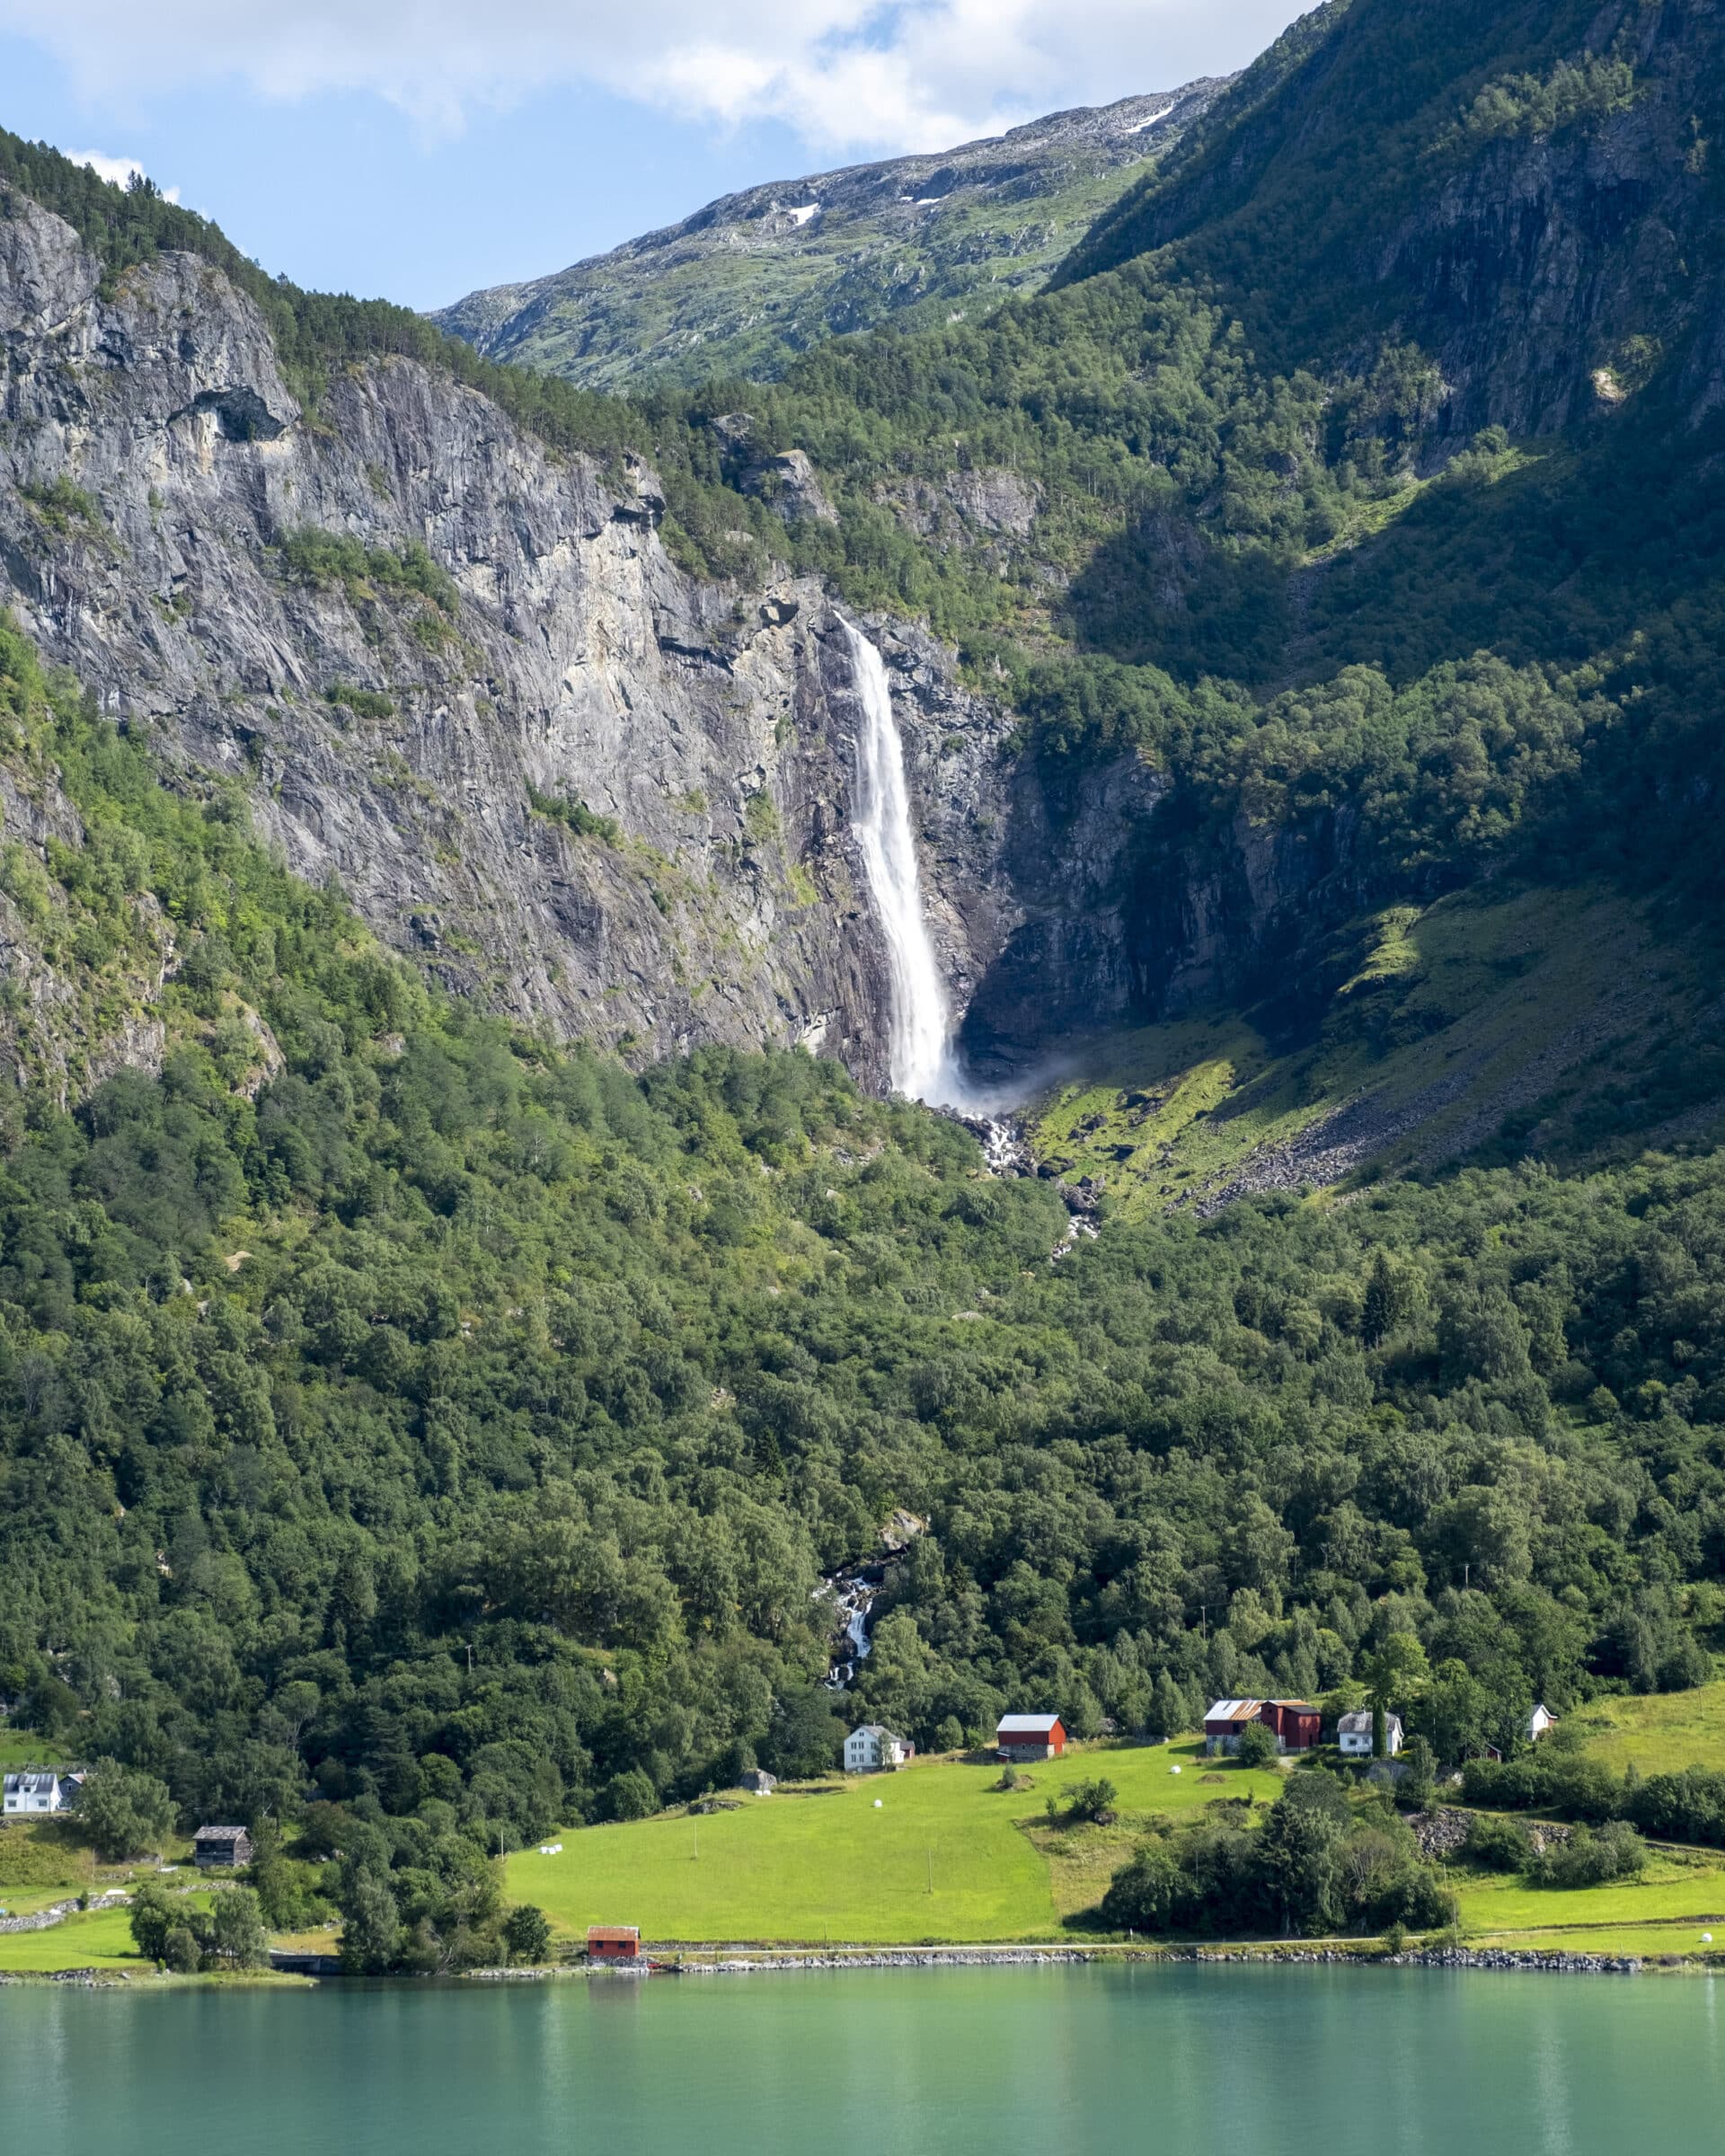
[(1248, 656), (754, 278), (1528, 191)]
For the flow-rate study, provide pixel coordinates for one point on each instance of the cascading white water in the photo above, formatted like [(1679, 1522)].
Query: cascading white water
[(921, 1035)]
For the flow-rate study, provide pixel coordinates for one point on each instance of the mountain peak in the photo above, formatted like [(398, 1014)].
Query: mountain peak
[(747, 282)]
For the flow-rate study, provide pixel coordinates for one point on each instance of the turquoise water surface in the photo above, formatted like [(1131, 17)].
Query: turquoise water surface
[(1293, 2062)]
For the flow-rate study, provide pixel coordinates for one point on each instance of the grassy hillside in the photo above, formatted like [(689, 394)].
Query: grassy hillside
[(945, 1856), (745, 284), (1661, 1735), (949, 1856), (1569, 1023)]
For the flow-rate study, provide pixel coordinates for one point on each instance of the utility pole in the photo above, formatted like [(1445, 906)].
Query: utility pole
[(697, 1836)]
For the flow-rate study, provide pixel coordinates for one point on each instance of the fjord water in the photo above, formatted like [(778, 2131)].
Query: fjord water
[(1307, 2062)]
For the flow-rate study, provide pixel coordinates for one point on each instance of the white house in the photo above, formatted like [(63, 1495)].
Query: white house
[(1539, 1721), (1354, 1735), (32, 1791), (871, 1749)]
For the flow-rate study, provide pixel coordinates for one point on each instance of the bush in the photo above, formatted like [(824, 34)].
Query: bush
[(1498, 1844), (527, 1934), (123, 1812), (1258, 1746), (1592, 1857), (1689, 1806), (629, 1796), (1090, 1800)]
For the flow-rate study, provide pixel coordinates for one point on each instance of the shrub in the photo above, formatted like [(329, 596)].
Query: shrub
[(1592, 1856), (364, 703), (1498, 1844), (123, 1812), (1258, 1746), (629, 1796), (527, 1934)]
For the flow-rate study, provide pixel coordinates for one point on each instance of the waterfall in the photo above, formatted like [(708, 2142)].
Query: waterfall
[(921, 1030)]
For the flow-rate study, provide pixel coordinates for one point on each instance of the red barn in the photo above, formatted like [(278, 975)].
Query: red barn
[(1030, 1737), (1295, 1724), (613, 1942)]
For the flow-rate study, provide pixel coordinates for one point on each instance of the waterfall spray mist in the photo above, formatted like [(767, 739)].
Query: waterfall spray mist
[(921, 1027)]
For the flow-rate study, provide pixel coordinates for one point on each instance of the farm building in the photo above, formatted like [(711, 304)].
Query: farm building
[(1354, 1734), (613, 1942), (224, 1847), (35, 1792), (872, 1750), (1295, 1724), (1030, 1737), (1539, 1721)]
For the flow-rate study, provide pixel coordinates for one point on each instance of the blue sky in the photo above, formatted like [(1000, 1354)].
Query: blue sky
[(419, 148)]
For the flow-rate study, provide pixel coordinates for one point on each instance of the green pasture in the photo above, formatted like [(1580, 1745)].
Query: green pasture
[(1661, 1732), (1667, 1890), (99, 1940), (945, 1856)]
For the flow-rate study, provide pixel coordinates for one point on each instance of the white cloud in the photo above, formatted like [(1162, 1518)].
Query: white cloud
[(118, 172), (849, 74)]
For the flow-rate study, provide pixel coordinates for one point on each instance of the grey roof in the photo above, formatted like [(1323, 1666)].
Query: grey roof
[(1232, 1711), (222, 1833), (1359, 1723), (32, 1782), (1027, 1725)]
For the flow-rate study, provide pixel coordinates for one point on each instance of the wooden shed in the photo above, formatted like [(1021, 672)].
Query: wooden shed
[(613, 1942), (227, 1846)]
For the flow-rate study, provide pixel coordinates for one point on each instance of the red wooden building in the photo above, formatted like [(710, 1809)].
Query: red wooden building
[(1030, 1737), (613, 1942), (1295, 1724)]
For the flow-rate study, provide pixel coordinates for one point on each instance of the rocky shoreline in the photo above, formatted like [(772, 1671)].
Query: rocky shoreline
[(671, 1961)]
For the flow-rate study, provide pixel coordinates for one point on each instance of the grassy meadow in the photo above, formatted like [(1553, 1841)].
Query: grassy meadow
[(1661, 1732), (949, 1856), (946, 1855)]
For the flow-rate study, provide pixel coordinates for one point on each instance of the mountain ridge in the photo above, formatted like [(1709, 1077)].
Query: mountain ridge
[(743, 283)]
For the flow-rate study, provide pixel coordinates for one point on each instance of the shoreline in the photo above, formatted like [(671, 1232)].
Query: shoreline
[(292, 1971)]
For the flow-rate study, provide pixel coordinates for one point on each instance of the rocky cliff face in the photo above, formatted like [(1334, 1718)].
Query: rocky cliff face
[(157, 479)]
